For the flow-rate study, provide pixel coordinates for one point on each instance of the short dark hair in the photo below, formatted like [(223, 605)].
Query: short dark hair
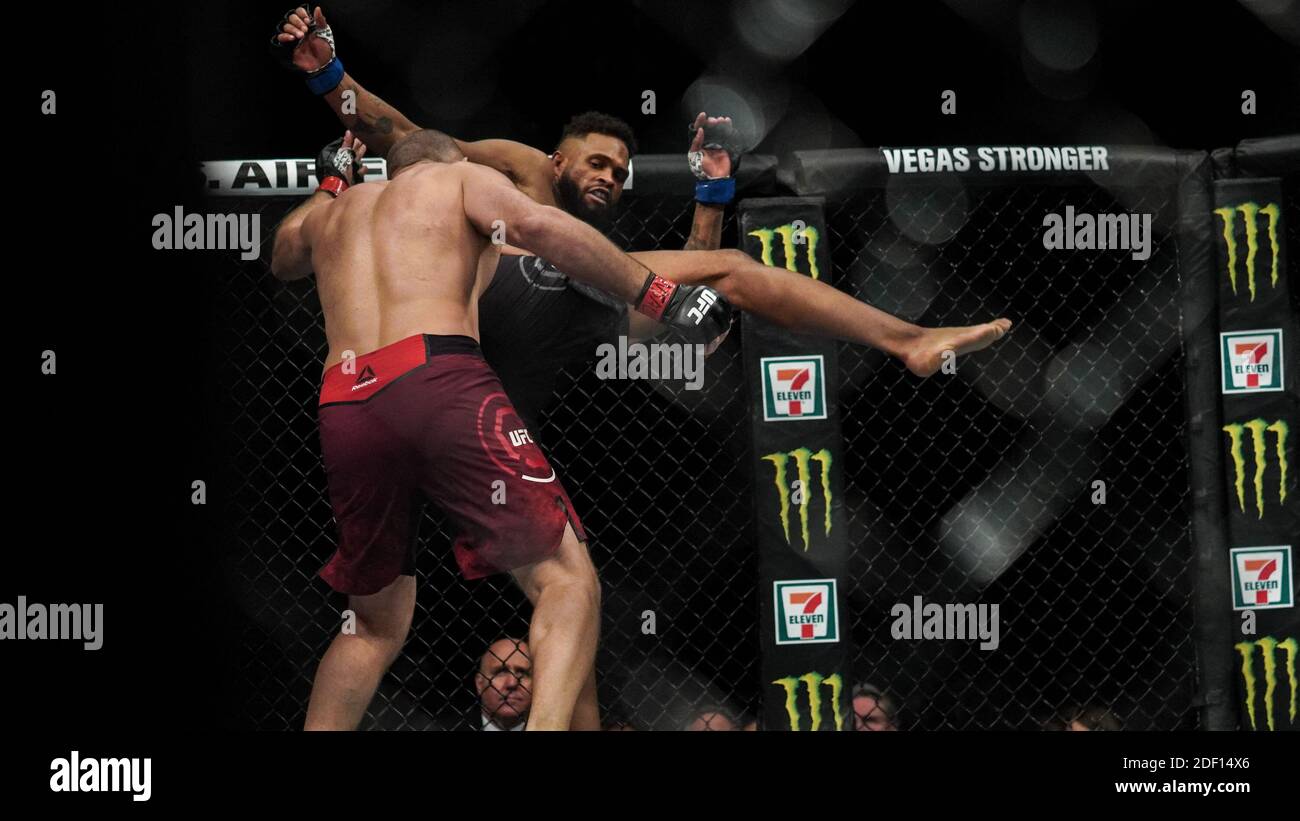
[(425, 144), (594, 122)]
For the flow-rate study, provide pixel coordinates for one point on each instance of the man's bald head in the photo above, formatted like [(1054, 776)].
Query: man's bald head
[(425, 144), (504, 682)]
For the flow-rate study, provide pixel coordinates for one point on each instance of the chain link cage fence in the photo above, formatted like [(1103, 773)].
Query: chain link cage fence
[(1050, 478), (1048, 474)]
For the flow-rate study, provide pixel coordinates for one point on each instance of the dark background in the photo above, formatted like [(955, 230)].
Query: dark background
[(103, 453), (518, 69)]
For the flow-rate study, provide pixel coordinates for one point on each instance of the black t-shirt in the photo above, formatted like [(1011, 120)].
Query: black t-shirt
[(534, 321)]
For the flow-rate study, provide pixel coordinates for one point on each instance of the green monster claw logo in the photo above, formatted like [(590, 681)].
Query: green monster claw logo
[(1268, 650), (1249, 210), (814, 682), (807, 236), (1258, 429), (803, 458)]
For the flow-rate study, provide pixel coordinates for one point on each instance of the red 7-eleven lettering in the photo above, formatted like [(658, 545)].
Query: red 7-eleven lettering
[(810, 602), (1257, 351), (797, 377), (1265, 568)]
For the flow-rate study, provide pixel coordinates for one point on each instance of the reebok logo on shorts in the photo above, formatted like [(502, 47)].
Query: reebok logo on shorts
[(365, 379), (395, 361)]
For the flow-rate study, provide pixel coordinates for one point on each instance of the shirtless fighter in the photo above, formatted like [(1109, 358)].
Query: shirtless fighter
[(534, 319), (410, 409)]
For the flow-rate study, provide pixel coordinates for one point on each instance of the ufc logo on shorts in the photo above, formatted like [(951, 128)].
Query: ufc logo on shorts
[(520, 437), (702, 305)]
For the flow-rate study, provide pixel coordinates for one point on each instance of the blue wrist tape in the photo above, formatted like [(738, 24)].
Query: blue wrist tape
[(327, 80), (719, 192)]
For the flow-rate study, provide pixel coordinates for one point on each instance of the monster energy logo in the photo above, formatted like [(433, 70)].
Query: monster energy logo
[(803, 458), (1249, 210), (796, 233), (814, 683), (1268, 647), (1258, 429)]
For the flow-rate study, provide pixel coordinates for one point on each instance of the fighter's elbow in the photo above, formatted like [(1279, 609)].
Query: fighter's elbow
[(279, 259), (286, 264)]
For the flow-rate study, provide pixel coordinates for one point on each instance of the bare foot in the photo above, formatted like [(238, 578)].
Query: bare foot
[(926, 355)]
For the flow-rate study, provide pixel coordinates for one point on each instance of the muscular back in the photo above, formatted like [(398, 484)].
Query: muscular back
[(398, 258)]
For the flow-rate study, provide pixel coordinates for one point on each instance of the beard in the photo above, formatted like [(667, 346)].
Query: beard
[(571, 199)]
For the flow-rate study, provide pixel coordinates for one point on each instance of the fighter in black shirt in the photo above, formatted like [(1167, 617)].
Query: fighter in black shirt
[(585, 176), (534, 321)]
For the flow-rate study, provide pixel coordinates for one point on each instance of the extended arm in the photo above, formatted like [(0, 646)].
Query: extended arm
[(706, 228), (375, 121), (714, 158), (381, 126), (579, 250), (309, 42)]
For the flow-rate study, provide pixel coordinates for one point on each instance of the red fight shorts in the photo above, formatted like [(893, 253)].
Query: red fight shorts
[(426, 419)]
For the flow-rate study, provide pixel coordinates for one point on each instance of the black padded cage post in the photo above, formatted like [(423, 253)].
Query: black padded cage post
[(1256, 222), (1199, 305)]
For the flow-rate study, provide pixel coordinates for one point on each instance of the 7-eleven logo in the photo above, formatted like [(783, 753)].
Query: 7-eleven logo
[(794, 388), (1261, 577), (807, 611), (1251, 361)]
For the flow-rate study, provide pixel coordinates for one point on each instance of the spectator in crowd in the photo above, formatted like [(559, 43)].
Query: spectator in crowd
[(1083, 718), (710, 718), (873, 710), (751, 725), (619, 725), (504, 685)]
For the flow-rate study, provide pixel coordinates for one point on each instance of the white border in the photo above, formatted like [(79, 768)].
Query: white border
[(835, 609), (1236, 583), (821, 385), (1281, 371)]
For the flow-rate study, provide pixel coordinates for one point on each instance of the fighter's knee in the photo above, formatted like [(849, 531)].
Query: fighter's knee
[(384, 626), (386, 615), (737, 280), (384, 638), (383, 630), (736, 259)]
